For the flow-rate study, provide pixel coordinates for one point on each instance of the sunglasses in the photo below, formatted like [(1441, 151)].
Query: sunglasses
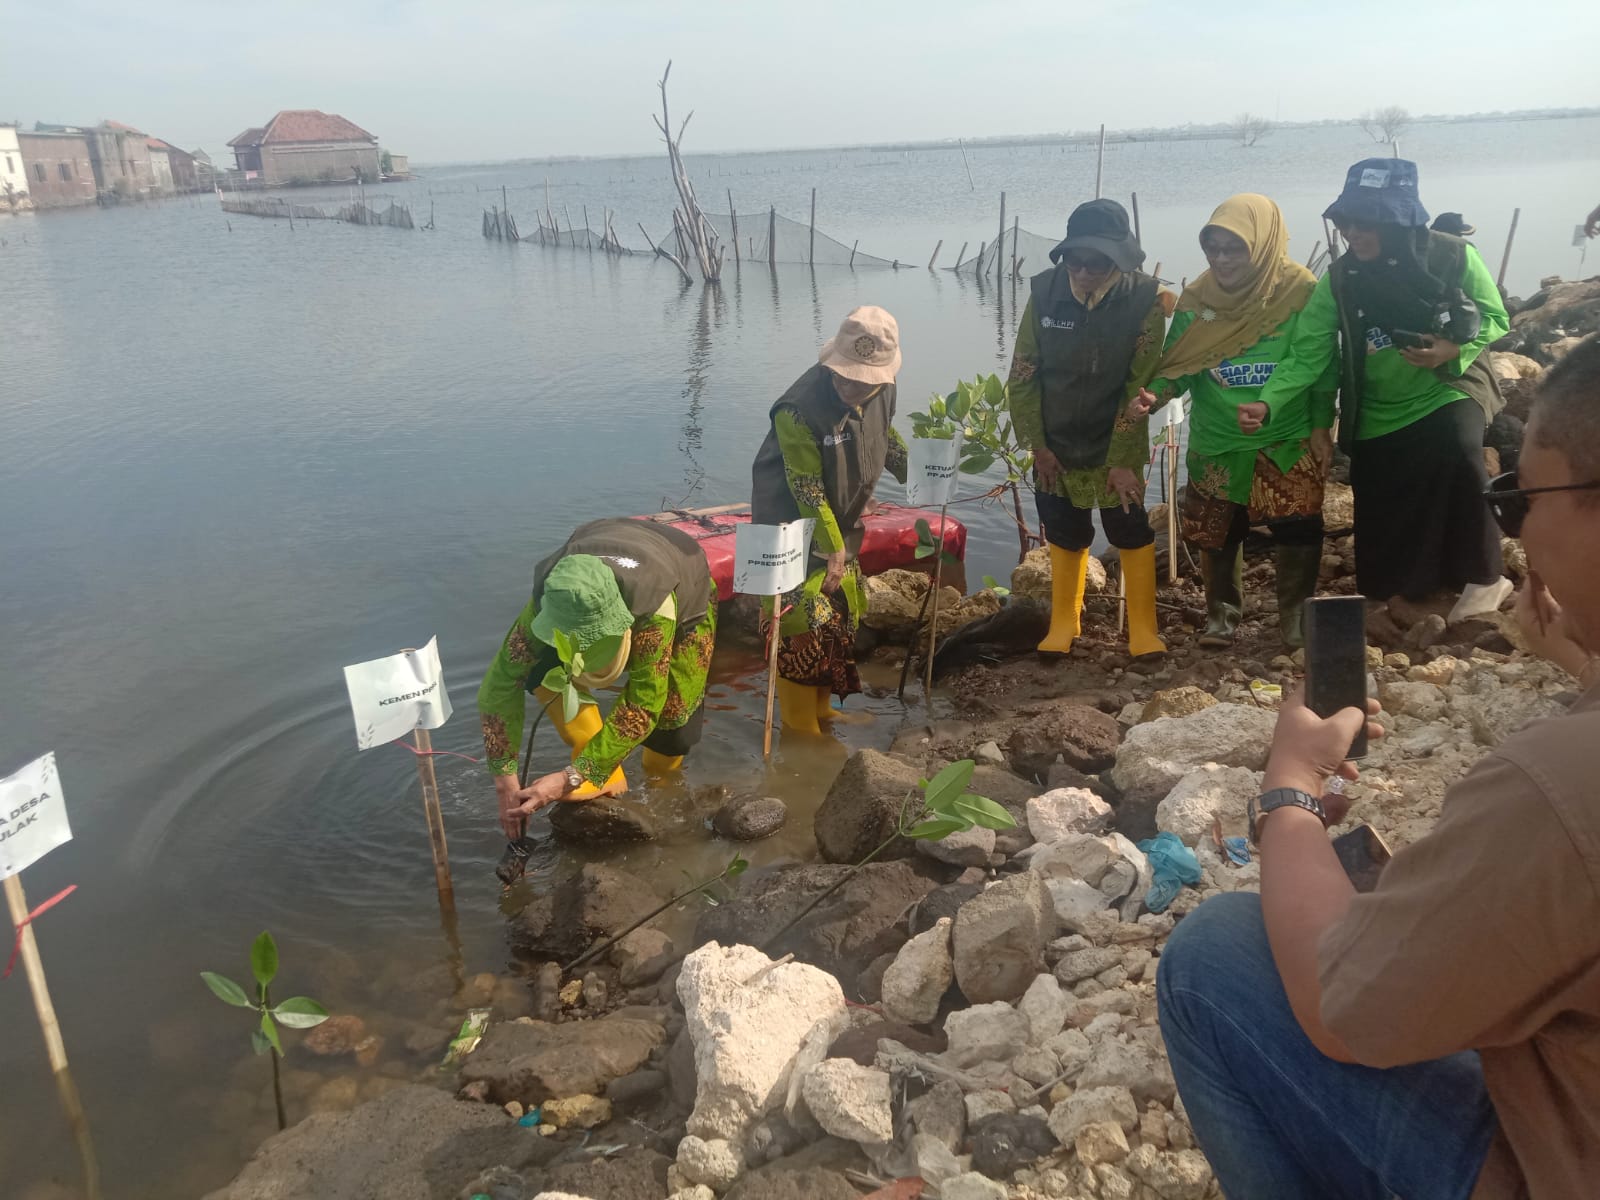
[(1509, 503), (1095, 265)]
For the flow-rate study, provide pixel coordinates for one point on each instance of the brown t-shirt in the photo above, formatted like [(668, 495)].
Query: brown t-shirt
[(1485, 935)]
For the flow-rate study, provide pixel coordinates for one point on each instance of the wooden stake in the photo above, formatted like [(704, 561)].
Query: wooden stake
[(933, 618), (1136, 234), (1505, 259), (772, 678), (970, 185), (960, 256), (1016, 224), (1172, 500), (935, 257), (1100, 164), (435, 819), (811, 252), (853, 253), (733, 217), (772, 236), (17, 902), (1000, 245)]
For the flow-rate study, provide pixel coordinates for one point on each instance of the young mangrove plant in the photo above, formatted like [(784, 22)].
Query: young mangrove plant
[(297, 1012), (931, 812)]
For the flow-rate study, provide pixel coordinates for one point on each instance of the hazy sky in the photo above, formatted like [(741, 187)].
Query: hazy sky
[(494, 79)]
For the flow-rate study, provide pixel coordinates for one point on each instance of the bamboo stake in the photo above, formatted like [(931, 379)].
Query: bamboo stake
[(960, 256), (1505, 260), (853, 253), (17, 902), (970, 185), (1000, 245), (435, 819), (1136, 234), (1016, 224), (1100, 163), (1171, 466), (772, 678), (811, 252), (733, 218), (936, 250), (933, 618), (1312, 257), (772, 236)]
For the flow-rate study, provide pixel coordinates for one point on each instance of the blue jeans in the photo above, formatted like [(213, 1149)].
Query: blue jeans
[(1278, 1118)]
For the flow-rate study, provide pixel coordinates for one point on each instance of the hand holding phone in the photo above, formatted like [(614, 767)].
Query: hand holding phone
[(1336, 659)]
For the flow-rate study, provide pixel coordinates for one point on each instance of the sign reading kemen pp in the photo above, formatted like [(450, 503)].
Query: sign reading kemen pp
[(390, 697), (33, 815), (769, 560), (931, 470)]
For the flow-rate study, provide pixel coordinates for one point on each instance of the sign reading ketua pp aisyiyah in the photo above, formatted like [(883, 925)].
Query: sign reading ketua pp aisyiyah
[(33, 815), (389, 697), (932, 469)]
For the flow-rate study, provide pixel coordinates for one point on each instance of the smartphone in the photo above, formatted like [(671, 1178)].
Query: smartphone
[(1336, 659), (1406, 339), (1363, 855)]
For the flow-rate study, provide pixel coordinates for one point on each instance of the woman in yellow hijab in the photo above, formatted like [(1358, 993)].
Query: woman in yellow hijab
[(1232, 326)]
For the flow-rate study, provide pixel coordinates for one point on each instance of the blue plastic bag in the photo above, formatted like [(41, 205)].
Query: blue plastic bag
[(1172, 864)]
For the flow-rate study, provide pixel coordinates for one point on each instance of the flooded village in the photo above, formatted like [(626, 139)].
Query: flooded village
[(919, 752)]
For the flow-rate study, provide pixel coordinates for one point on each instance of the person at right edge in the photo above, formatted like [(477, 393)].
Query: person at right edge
[(1088, 341), (1411, 314)]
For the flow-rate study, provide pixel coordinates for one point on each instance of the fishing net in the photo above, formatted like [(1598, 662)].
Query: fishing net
[(1031, 252), (767, 237)]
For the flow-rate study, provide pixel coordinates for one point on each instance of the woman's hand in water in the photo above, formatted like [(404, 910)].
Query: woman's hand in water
[(518, 803), (1435, 354)]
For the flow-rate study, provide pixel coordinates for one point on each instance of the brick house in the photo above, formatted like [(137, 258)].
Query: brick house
[(59, 167), (306, 145)]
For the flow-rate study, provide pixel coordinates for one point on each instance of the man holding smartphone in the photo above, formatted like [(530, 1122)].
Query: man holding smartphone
[(1440, 1036)]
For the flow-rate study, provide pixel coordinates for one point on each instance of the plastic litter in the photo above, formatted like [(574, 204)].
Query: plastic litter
[(1172, 864), (530, 1118)]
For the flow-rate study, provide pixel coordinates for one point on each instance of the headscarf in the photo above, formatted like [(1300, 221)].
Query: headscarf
[(1394, 290), (1229, 323)]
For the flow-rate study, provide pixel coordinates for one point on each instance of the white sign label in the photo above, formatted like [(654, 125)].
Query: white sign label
[(1374, 177), (1580, 235), (769, 560), (1172, 414), (932, 471), (33, 815), (392, 696)]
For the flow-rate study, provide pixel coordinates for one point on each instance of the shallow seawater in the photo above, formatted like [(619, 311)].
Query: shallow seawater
[(235, 457)]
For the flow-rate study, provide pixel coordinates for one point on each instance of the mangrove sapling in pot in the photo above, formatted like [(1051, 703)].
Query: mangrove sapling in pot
[(930, 812), (297, 1012)]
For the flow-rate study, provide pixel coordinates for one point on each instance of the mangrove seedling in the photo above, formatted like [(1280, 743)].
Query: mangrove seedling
[(563, 680), (297, 1012), (931, 812)]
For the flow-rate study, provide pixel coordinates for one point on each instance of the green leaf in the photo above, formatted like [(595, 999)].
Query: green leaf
[(264, 958), (563, 645), (948, 784), (300, 1012), (569, 704), (579, 661), (924, 551), (736, 868), (258, 1042), (270, 1032), (226, 989), (994, 392), (977, 462), (935, 828), (949, 559), (981, 810), (555, 680), (960, 407)]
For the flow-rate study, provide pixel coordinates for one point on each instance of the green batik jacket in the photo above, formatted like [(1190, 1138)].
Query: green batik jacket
[(1130, 436)]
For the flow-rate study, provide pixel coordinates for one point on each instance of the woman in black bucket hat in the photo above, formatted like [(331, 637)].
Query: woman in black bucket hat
[(1088, 341), (1411, 313)]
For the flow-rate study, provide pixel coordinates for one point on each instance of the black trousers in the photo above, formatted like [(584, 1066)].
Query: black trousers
[(1072, 528)]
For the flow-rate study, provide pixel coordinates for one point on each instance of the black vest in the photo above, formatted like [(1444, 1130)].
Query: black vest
[(1084, 355), (650, 562), (854, 445)]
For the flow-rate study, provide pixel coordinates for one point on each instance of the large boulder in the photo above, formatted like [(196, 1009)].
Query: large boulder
[(1083, 737), (1157, 754), (597, 902), (895, 605), (864, 918), (999, 938), (531, 1061), (747, 1020), (863, 806), (1031, 578), (413, 1143), (1206, 795), (605, 819)]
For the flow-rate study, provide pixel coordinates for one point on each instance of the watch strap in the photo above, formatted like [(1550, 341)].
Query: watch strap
[(1283, 797), (574, 778)]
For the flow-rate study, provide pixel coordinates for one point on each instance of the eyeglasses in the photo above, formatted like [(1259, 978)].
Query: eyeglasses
[(1509, 503), (1094, 265), (1224, 249)]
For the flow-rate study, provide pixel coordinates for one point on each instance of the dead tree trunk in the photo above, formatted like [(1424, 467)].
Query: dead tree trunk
[(702, 239)]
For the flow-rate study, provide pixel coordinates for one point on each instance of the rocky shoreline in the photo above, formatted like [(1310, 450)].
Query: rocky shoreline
[(976, 1014)]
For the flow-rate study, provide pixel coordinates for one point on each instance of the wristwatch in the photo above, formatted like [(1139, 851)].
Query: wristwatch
[(1282, 798), (574, 779)]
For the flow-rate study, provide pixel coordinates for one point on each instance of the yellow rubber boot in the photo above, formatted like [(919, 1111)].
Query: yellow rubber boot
[(660, 764), (797, 706), (1139, 573), (825, 709), (1068, 571), (577, 733)]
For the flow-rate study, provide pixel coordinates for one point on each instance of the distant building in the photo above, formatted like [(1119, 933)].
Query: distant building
[(160, 165), (306, 145), (13, 172), (399, 165), (207, 177), (185, 172), (59, 166)]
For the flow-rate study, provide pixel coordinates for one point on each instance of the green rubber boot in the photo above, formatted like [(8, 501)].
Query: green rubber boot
[(1223, 572), (1297, 568)]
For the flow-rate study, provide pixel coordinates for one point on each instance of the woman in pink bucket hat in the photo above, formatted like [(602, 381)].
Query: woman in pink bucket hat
[(831, 436)]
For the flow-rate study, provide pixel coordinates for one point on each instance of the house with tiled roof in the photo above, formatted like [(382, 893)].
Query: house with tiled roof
[(306, 145)]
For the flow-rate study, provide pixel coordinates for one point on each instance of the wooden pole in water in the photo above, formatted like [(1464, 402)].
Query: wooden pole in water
[(1016, 224), (933, 617), (811, 251), (970, 185), (853, 253), (588, 243), (772, 236), (1000, 246), (960, 256), (1505, 259), (1136, 235), (936, 250), (435, 819), (733, 218), (55, 1048), (772, 676), (1100, 164)]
